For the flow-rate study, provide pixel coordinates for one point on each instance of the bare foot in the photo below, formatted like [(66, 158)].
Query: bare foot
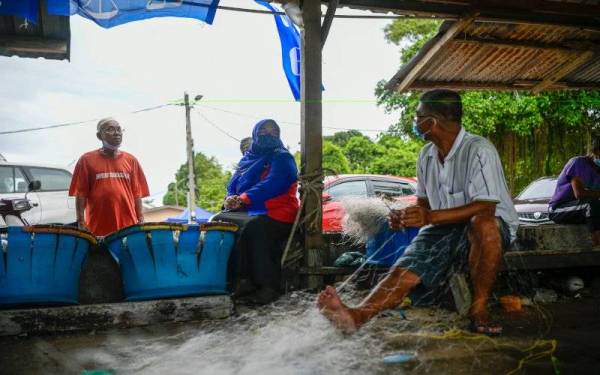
[(332, 307), (479, 313), (480, 321)]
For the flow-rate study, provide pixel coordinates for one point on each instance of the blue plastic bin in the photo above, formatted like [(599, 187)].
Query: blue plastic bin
[(161, 260), (388, 245), (41, 265)]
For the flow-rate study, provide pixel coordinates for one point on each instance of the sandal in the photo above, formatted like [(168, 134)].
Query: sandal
[(489, 329)]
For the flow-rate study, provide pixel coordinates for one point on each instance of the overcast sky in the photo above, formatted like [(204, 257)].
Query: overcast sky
[(234, 63)]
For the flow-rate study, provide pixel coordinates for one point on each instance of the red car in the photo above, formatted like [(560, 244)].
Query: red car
[(362, 186)]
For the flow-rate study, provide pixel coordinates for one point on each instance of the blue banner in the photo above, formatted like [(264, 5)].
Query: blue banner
[(27, 9), (290, 48), (110, 13)]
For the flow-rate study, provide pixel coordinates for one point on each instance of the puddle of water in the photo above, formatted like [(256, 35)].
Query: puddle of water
[(288, 337)]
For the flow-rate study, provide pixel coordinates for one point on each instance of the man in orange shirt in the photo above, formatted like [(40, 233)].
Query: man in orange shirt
[(108, 184)]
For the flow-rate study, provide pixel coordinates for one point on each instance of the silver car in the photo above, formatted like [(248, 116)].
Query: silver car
[(532, 203), (52, 204)]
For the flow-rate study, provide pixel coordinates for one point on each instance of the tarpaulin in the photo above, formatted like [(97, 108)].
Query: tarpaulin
[(290, 48), (27, 9), (110, 13)]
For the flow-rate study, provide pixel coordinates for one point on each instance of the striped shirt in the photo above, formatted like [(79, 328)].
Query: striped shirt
[(470, 172)]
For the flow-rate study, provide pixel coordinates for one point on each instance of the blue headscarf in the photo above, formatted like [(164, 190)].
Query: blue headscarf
[(252, 164)]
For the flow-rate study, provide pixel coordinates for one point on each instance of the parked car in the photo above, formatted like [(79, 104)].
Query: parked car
[(52, 205), (532, 203), (362, 186)]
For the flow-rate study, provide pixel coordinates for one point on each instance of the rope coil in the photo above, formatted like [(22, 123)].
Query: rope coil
[(310, 184)]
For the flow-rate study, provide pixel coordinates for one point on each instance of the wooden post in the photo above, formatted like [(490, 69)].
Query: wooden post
[(311, 137)]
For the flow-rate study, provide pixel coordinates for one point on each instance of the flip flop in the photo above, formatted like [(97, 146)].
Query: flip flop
[(489, 329)]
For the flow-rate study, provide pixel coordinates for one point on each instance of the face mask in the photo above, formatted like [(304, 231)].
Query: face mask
[(267, 141), (108, 146), (597, 162), (417, 133)]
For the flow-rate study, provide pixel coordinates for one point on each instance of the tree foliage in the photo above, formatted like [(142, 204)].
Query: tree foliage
[(211, 181), (535, 133)]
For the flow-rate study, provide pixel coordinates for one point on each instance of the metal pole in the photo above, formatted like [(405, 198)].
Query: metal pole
[(176, 192), (311, 135), (190, 157)]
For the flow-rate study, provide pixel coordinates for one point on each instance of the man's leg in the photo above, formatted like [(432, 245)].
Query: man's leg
[(593, 221), (386, 295), (484, 262)]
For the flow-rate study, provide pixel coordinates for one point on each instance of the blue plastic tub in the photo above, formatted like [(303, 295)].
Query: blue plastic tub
[(41, 265), (163, 260), (388, 245)]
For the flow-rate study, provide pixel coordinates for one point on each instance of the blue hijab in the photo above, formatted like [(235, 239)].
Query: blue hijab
[(252, 164)]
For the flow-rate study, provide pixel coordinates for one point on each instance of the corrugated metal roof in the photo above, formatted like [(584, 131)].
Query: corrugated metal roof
[(488, 55), (50, 38)]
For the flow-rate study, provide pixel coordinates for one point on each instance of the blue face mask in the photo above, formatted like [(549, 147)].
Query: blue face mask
[(597, 162), (109, 146), (417, 133), (267, 141)]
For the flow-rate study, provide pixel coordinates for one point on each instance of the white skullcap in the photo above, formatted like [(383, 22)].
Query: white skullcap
[(105, 121)]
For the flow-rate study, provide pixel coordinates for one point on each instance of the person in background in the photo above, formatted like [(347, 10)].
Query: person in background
[(576, 199), (465, 213), (245, 144), (261, 200), (108, 184)]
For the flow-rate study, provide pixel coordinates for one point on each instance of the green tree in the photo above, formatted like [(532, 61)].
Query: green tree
[(360, 151), (399, 157), (341, 138), (211, 182), (334, 160), (535, 134)]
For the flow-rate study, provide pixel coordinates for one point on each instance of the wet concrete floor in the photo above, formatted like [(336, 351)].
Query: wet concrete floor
[(290, 337)]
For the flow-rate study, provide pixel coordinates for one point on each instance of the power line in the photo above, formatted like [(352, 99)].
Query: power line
[(256, 11), (216, 126), (78, 122), (289, 122)]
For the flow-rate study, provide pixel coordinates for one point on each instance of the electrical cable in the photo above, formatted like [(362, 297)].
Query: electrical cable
[(289, 122), (257, 11), (78, 122), (215, 125)]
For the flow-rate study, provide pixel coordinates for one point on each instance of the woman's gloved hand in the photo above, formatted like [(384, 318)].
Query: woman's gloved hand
[(233, 202)]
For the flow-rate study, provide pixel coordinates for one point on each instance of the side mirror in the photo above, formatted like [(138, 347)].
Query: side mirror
[(326, 197), (34, 185)]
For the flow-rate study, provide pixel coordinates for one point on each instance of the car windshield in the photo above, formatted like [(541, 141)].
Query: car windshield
[(543, 188)]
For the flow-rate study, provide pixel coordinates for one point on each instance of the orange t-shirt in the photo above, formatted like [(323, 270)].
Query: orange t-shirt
[(111, 186)]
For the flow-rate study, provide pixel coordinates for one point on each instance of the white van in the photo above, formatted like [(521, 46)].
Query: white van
[(52, 204)]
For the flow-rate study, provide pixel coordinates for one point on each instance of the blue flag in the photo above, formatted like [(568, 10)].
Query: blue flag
[(290, 48), (110, 13), (27, 9)]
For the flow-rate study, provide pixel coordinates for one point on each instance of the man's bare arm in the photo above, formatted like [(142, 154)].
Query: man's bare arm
[(138, 210), (419, 216), (581, 192), (80, 203)]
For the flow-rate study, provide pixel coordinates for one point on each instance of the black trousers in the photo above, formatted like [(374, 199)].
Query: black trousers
[(258, 250), (577, 212)]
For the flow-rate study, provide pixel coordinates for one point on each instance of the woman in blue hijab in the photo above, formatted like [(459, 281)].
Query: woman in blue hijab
[(262, 200)]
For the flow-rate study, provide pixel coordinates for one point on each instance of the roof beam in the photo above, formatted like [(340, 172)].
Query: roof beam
[(499, 86), (515, 11), (435, 48), (563, 71), (27, 46), (567, 47)]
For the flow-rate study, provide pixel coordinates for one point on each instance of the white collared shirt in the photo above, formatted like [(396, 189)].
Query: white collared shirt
[(471, 171)]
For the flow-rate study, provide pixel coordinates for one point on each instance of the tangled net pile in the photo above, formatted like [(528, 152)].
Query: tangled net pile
[(365, 216)]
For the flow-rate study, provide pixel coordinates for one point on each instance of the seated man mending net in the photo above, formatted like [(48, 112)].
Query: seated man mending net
[(465, 213), (261, 200)]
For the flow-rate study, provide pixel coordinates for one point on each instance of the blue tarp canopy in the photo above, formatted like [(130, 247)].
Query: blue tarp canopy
[(202, 216), (110, 13)]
